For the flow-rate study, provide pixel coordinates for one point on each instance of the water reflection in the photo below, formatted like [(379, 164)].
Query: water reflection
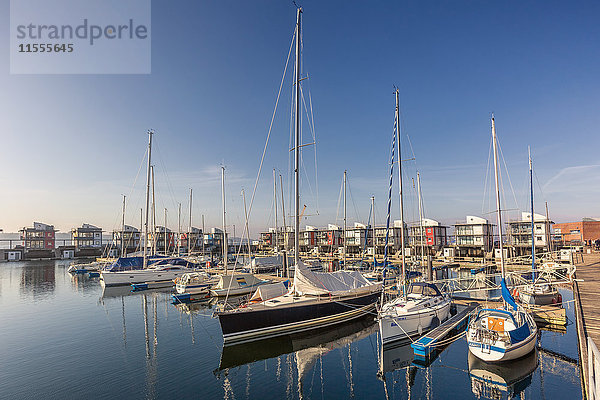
[(308, 346), (38, 279), (499, 380)]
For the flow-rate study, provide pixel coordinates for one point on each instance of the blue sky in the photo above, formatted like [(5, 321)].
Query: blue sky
[(72, 145)]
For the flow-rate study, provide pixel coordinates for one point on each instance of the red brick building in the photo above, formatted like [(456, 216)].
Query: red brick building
[(578, 232)]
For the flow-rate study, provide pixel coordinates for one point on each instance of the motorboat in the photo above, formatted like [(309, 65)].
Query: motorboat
[(195, 282)]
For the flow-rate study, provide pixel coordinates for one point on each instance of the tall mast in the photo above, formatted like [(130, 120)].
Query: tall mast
[(141, 229), (548, 234), (189, 238), (202, 235), (166, 247), (532, 218), (373, 222), (397, 123), (123, 230), (179, 231), (153, 213), (498, 209), (224, 244), (285, 236), (275, 209), (297, 145), (247, 227), (420, 216), (150, 133), (344, 259)]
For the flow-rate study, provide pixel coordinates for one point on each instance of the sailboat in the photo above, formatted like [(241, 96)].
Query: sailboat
[(501, 334), (133, 270), (317, 299), (540, 292), (422, 306)]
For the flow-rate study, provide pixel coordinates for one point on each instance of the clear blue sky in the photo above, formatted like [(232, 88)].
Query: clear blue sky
[(71, 145)]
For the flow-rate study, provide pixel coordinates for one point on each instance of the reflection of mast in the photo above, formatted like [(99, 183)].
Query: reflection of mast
[(146, 336), (124, 327)]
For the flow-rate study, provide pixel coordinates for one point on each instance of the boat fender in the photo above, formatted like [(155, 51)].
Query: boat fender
[(559, 298), (515, 294), (420, 329)]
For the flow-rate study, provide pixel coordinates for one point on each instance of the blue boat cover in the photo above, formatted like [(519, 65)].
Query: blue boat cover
[(519, 334), (133, 263), (507, 296)]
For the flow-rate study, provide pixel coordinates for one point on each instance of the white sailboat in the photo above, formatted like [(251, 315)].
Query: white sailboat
[(501, 334), (420, 308), (165, 271), (540, 292)]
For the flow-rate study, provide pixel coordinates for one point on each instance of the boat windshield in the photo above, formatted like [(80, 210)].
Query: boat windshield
[(422, 290)]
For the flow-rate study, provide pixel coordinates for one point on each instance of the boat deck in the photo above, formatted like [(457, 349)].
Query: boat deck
[(586, 291)]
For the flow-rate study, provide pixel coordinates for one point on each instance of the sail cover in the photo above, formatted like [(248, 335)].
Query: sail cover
[(507, 296), (334, 283), (269, 291)]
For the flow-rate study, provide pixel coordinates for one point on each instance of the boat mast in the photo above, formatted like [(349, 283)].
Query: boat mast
[(166, 247), (532, 218), (397, 122), (153, 213), (498, 209), (179, 231), (373, 222), (275, 209), (548, 234), (285, 235), (123, 230), (420, 217), (189, 236), (225, 243), (247, 228), (150, 133), (297, 144), (344, 259)]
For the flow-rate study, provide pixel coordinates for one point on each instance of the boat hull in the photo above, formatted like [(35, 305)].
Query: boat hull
[(491, 353), (396, 328), (248, 325), (139, 276), (540, 299)]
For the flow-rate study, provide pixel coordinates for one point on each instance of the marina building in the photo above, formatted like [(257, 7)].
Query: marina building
[(87, 236), (474, 237), (519, 234), (129, 238), (38, 241), (192, 241), (213, 242), (577, 233), (431, 238)]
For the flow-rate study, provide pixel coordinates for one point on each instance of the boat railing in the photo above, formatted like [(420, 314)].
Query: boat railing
[(593, 389)]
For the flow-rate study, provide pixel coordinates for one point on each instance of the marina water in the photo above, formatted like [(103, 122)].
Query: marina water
[(64, 336)]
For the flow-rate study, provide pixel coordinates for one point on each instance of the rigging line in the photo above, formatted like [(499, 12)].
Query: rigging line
[(485, 183), (539, 185), (315, 141), (337, 212), (271, 125), (167, 179), (352, 200), (306, 173), (507, 174)]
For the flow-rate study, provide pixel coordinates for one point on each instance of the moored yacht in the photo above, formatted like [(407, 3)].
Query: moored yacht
[(422, 309)]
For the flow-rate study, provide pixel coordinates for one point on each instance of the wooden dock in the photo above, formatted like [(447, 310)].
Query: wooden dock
[(428, 344), (586, 292)]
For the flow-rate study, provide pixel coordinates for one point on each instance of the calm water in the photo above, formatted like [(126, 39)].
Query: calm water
[(63, 337)]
